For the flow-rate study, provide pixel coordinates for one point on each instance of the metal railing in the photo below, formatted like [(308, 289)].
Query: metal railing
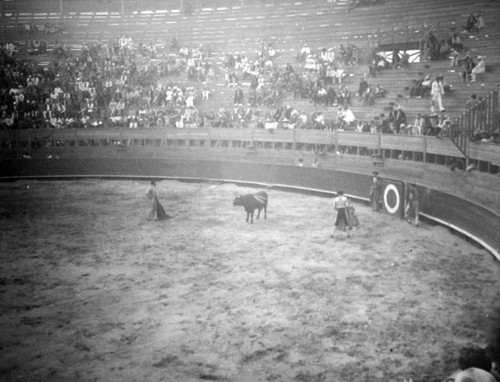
[(481, 116)]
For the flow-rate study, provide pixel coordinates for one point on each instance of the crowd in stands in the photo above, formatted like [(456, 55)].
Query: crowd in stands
[(134, 85), (119, 86), (128, 84), (41, 28)]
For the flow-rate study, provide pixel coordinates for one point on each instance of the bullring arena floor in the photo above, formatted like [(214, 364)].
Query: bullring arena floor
[(92, 291)]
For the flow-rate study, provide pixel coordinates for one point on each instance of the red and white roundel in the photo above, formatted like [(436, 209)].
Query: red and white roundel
[(392, 199)]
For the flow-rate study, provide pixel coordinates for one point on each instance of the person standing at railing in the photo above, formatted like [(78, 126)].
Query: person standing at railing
[(376, 192), (443, 126), (471, 102), (412, 205)]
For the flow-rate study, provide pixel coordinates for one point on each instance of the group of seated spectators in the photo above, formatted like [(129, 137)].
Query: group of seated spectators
[(453, 48), (480, 135), (391, 121), (126, 85), (380, 60), (98, 87), (369, 93), (329, 63), (42, 28)]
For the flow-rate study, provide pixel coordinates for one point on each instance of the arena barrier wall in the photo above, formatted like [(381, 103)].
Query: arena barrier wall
[(471, 220)]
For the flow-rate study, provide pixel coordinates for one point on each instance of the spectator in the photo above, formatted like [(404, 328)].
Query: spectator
[(379, 91), (346, 118), (319, 121), (468, 65), (470, 24), (454, 56), (330, 56), (471, 102), (493, 348), (418, 125), (443, 126), (421, 86), (405, 60), (444, 49), (363, 86), (343, 96), (475, 366), (399, 119), (331, 96), (368, 97), (396, 59), (238, 96), (480, 24), (480, 68), (437, 92), (305, 51), (456, 42)]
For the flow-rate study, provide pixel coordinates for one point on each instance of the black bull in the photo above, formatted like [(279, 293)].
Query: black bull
[(252, 202)]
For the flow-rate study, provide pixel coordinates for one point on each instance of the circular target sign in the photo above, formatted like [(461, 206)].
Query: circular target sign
[(391, 199)]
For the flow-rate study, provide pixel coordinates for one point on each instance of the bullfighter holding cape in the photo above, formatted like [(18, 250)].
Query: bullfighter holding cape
[(341, 219), (157, 211)]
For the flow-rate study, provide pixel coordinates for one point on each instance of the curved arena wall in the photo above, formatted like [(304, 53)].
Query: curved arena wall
[(464, 216)]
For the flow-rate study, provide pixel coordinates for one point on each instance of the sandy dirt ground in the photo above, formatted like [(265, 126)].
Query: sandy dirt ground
[(92, 291)]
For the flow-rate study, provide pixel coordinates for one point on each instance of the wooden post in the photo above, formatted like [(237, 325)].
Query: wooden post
[(424, 149), (336, 136)]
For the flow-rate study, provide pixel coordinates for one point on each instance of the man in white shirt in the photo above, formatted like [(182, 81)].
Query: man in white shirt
[(437, 92), (304, 52), (346, 117)]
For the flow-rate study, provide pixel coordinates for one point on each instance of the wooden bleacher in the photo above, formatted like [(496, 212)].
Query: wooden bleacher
[(287, 26)]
